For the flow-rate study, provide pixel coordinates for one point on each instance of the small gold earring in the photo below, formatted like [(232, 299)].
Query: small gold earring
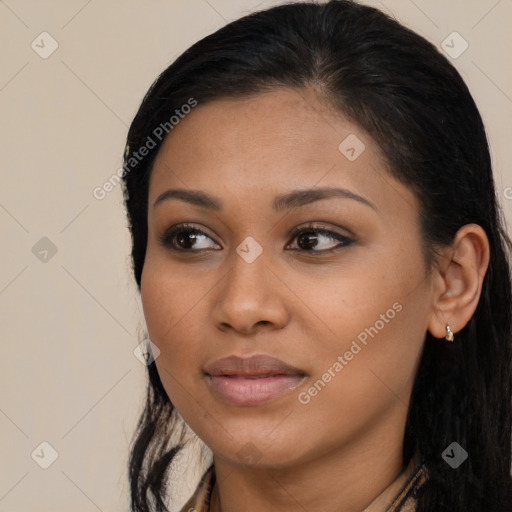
[(449, 334)]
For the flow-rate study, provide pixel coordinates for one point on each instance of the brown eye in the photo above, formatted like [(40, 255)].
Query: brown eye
[(184, 238), (320, 240)]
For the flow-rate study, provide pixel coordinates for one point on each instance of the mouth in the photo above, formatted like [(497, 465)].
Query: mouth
[(251, 381)]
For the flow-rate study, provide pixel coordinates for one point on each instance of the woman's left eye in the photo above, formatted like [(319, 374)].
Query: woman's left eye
[(318, 238), (311, 239)]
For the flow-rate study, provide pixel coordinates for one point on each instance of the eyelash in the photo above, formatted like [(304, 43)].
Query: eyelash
[(167, 238)]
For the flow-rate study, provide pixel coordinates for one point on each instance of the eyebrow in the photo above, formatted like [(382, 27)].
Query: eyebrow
[(282, 202)]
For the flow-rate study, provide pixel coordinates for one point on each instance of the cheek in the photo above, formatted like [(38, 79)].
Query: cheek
[(363, 298), (375, 319), (171, 304), (168, 297), (176, 304)]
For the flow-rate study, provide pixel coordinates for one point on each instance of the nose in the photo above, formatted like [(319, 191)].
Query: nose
[(250, 298)]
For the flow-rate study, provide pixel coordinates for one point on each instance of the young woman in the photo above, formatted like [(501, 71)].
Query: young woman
[(323, 268)]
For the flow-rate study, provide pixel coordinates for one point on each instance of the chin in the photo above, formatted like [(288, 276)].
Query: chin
[(258, 452)]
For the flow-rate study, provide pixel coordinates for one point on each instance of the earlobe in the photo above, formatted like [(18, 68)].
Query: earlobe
[(458, 281)]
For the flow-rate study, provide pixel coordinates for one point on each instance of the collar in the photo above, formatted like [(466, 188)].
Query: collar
[(398, 496)]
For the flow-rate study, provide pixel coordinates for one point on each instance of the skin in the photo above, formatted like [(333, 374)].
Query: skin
[(344, 447)]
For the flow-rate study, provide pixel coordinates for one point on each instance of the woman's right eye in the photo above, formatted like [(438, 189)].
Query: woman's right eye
[(185, 238)]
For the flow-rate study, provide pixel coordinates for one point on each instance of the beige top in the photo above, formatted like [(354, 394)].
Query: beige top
[(398, 494)]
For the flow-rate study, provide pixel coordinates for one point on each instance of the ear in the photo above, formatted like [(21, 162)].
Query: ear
[(457, 280)]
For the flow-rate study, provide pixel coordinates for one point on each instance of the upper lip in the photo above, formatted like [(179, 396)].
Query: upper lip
[(255, 365)]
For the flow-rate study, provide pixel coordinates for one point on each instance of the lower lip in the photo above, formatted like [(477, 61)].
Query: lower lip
[(252, 391)]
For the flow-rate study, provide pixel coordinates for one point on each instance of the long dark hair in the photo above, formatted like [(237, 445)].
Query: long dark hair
[(415, 105)]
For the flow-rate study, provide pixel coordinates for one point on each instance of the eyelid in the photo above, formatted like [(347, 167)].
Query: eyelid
[(319, 226)]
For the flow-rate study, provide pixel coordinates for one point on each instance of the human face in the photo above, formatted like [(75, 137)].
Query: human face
[(363, 305)]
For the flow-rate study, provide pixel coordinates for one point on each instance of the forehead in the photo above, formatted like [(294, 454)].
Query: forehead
[(280, 124), (272, 142)]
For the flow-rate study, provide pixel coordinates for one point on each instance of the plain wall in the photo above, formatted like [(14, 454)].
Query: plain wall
[(71, 320)]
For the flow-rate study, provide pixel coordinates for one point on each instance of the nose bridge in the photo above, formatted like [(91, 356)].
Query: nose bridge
[(248, 278), (249, 294)]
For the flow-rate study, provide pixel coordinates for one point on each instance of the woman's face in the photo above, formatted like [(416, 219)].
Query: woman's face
[(344, 305)]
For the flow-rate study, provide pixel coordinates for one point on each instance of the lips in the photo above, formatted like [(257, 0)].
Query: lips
[(255, 366), (251, 381)]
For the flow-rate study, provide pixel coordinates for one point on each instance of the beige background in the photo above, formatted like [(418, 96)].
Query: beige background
[(68, 375)]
